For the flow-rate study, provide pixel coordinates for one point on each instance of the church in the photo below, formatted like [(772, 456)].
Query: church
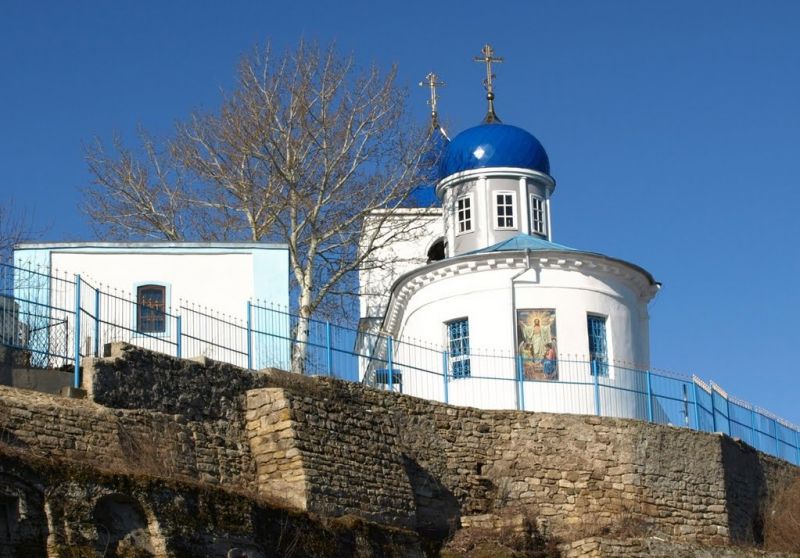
[(483, 308)]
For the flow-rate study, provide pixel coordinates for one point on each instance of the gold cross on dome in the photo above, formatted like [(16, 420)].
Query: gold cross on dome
[(488, 57), (432, 82)]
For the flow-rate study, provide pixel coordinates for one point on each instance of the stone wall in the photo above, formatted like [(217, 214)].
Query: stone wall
[(337, 448), (656, 547), (129, 377), (751, 480), (65, 510), (215, 452), (574, 471), (345, 466), (280, 473)]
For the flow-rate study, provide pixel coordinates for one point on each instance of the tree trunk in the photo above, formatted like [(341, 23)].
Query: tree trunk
[(300, 347)]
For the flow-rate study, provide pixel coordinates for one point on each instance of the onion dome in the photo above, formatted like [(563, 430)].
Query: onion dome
[(494, 144), (424, 195)]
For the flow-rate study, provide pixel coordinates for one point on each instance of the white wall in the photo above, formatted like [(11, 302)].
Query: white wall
[(207, 286), (223, 282), (402, 254), (482, 186), (485, 298)]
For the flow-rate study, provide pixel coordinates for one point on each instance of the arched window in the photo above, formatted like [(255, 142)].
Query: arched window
[(151, 306)]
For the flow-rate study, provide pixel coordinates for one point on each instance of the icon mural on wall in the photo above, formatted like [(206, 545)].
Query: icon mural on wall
[(536, 333)]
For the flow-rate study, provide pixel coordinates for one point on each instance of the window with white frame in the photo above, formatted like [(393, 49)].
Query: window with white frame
[(598, 344), (504, 210), (458, 345), (538, 225), (464, 214)]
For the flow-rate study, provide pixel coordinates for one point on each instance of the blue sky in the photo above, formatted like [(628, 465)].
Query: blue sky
[(673, 131)]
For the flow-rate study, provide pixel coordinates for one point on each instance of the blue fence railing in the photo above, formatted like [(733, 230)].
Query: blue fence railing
[(55, 320)]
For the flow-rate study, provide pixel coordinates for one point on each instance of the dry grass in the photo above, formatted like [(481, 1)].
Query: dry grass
[(782, 520), (622, 526), (518, 539)]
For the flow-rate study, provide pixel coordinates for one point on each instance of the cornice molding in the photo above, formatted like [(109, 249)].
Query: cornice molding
[(591, 264), (494, 172)]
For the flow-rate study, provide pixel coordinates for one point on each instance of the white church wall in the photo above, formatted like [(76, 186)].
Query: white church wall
[(484, 298), (190, 277), (481, 189), (207, 284), (402, 254)]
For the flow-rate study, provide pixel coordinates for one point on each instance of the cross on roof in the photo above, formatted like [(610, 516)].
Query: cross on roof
[(432, 81), (488, 57)]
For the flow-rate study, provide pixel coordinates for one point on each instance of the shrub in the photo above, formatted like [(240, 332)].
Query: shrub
[(782, 520), (513, 539)]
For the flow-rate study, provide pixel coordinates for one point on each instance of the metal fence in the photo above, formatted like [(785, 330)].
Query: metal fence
[(55, 320)]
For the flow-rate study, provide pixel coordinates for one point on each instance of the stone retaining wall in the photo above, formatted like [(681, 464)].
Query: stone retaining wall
[(215, 452), (129, 377), (280, 473), (573, 471), (656, 547), (63, 510), (336, 448)]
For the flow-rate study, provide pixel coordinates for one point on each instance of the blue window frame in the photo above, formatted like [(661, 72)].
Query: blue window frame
[(151, 307), (598, 344), (458, 342)]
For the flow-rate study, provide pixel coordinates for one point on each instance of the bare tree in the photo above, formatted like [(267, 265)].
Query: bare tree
[(304, 148), (15, 226)]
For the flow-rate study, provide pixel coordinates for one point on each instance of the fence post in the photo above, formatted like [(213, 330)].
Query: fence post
[(249, 335), (389, 343), (753, 432), (649, 396), (797, 445), (728, 411), (713, 410), (596, 374), (97, 322), (444, 374), (698, 427), (178, 335), (77, 333), (329, 354), (520, 384), (777, 439)]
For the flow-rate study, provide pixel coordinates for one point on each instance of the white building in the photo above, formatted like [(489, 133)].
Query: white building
[(184, 298), (503, 317)]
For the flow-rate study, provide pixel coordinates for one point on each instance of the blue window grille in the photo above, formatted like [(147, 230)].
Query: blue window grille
[(458, 341), (598, 345), (151, 305)]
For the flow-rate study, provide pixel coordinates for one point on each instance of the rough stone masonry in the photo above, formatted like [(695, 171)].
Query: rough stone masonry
[(335, 448)]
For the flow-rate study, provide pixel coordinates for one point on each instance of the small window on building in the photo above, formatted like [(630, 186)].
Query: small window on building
[(458, 343), (151, 306), (537, 215), (464, 214), (598, 345), (504, 210)]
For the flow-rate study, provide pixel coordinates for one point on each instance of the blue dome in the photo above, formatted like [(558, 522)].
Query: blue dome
[(494, 145), (424, 195)]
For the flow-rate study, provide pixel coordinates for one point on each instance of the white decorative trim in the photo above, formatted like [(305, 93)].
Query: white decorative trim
[(524, 207), (493, 172), (589, 264)]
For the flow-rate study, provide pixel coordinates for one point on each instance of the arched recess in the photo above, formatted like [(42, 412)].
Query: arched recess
[(122, 527), (437, 250), (23, 524)]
